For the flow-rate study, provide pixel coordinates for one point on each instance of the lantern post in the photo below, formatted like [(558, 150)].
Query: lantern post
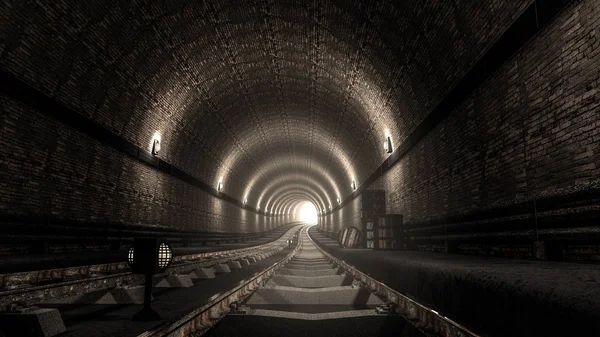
[(149, 256)]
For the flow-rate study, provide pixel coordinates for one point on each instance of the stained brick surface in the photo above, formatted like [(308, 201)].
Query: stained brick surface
[(288, 103), (531, 131), (263, 93), (53, 171)]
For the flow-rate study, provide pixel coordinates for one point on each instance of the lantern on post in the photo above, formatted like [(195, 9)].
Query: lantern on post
[(149, 256)]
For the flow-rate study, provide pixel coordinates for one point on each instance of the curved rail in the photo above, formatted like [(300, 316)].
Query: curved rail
[(118, 275), (200, 320), (426, 319)]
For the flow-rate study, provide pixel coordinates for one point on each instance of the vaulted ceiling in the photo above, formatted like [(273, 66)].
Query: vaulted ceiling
[(285, 100)]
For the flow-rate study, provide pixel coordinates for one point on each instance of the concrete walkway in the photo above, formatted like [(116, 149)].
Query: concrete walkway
[(489, 295)]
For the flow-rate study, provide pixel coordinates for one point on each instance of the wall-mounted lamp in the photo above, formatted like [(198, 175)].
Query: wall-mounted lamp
[(245, 201), (330, 206), (220, 184), (353, 185), (339, 201), (156, 146), (387, 145)]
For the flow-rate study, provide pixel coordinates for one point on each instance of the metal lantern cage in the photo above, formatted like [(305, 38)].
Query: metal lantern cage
[(149, 256), (165, 255), (130, 259)]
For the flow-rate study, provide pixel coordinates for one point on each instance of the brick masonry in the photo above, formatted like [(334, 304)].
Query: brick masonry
[(532, 131), (254, 91), (50, 170), (529, 130)]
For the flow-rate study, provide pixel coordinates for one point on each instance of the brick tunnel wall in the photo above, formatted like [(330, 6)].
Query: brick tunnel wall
[(51, 170), (530, 132), (347, 216), (531, 129)]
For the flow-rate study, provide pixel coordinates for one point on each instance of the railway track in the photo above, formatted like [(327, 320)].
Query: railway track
[(305, 291), (34, 288), (310, 291)]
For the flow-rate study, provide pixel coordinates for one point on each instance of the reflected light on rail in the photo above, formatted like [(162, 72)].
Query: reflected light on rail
[(308, 213)]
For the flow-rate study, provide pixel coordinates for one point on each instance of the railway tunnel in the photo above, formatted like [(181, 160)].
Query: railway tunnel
[(323, 167)]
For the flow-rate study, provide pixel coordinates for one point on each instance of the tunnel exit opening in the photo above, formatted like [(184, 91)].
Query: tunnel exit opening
[(308, 213)]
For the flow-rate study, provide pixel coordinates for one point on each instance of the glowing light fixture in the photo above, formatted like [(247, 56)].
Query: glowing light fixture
[(245, 201), (148, 256), (130, 255), (387, 145), (330, 206), (339, 201), (220, 184), (353, 185), (165, 255), (155, 146)]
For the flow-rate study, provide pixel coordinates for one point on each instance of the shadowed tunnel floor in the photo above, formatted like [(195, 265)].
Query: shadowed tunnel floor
[(343, 327), (278, 309)]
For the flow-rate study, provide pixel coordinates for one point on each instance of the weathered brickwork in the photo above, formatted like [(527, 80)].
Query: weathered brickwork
[(50, 170), (347, 216), (335, 79), (253, 90), (530, 132), (533, 130)]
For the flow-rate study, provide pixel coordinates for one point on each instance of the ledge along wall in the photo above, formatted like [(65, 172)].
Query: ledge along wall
[(517, 161), (49, 170)]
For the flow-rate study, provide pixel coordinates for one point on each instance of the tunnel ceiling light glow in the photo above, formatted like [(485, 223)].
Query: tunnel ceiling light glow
[(308, 213), (339, 201), (245, 201), (353, 185), (220, 184), (387, 145)]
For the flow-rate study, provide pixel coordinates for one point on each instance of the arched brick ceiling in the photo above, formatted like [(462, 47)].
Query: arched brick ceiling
[(273, 96), (285, 188)]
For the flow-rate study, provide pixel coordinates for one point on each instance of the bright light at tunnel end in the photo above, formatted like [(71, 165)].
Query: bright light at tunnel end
[(308, 213)]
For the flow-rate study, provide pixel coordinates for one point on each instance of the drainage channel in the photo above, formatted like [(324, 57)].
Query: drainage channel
[(311, 296)]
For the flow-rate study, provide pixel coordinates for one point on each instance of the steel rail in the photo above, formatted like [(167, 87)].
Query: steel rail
[(31, 295), (197, 322), (424, 318), (29, 277)]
